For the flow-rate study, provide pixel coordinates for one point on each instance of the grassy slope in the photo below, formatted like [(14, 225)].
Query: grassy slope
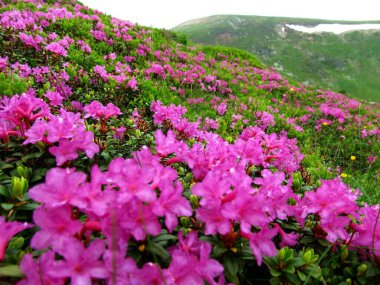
[(322, 150), (349, 62), (238, 74)]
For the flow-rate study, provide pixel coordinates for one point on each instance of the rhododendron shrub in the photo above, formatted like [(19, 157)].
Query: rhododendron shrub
[(127, 157), (140, 197)]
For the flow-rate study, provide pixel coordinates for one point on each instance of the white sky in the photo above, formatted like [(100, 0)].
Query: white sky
[(170, 13)]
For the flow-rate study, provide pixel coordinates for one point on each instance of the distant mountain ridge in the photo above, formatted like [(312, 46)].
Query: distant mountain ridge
[(348, 62)]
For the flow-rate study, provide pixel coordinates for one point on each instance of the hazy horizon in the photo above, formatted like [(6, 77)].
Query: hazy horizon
[(170, 13)]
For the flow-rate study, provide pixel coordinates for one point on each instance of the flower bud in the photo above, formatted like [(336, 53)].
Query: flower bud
[(307, 256), (344, 254), (362, 268), (19, 186), (194, 201), (23, 171), (185, 222)]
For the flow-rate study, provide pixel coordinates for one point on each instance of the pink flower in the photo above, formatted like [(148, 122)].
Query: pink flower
[(7, 231), (215, 221), (55, 224), (101, 71), (22, 110), (96, 110), (222, 108), (119, 133), (171, 204), (191, 263), (56, 48), (69, 131), (38, 272), (133, 83), (264, 120), (287, 239), (54, 97), (168, 144), (84, 46), (80, 264), (37, 132), (139, 220), (247, 210), (332, 202), (61, 188), (3, 62), (132, 179), (261, 243), (125, 271), (365, 237)]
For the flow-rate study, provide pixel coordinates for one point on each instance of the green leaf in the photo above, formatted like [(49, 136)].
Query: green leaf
[(164, 237), (307, 239), (275, 281), (297, 262), (315, 271), (307, 188), (292, 277), (324, 242), (231, 264), (25, 158), (3, 191), (7, 206), (275, 273), (157, 249), (10, 271), (38, 174), (4, 165), (301, 275), (16, 243), (289, 269), (270, 261), (218, 250), (371, 270), (28, 207)]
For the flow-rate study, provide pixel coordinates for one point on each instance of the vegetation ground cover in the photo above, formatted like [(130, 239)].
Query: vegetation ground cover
[(130, 157), (347, 62)]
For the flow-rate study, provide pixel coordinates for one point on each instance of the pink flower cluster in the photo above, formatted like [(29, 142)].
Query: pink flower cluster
[(56, 48), (18, 112), (68, 130), (97, 111), (7, 231), (146, 191)]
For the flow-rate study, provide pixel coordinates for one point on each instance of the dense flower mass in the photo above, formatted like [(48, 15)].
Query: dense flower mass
[(128, 157)]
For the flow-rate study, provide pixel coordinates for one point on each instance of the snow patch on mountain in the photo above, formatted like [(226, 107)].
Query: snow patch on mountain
[(334, 28)]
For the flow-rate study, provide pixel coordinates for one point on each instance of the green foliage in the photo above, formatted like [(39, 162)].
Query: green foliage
[(286, 268), (162, 37), (232, 53), (346, 62), (313, 260), (10, 85)]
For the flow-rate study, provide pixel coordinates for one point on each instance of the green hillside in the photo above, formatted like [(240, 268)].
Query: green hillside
[(128, 156), (347, 62)]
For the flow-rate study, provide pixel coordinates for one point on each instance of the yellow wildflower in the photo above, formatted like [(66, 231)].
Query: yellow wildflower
[(353, 157), (343, 175)]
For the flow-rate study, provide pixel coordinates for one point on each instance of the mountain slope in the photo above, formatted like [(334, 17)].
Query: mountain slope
[(130, 157), (347, 62)]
